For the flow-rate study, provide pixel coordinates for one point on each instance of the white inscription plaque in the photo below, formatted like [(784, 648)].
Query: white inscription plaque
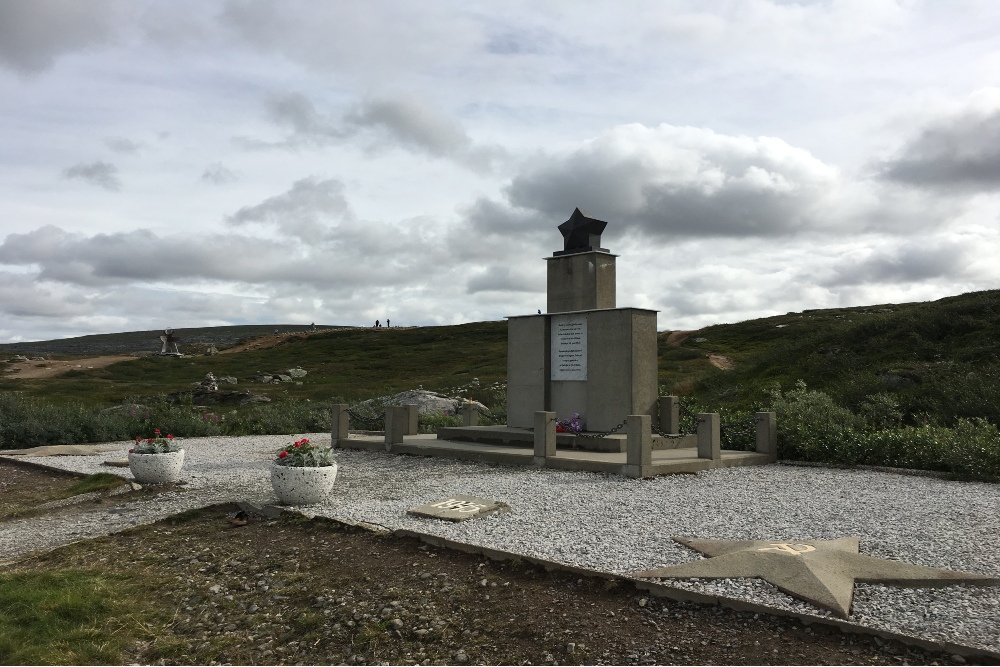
[(569, 347)]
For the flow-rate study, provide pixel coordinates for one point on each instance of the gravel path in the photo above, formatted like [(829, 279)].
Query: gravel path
[(620, 525)]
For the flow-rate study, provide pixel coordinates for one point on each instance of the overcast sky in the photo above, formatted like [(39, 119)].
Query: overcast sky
[(206, 163)]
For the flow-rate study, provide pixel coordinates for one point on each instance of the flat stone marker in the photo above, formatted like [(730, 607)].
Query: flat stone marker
[(821, 572), (457, 508)]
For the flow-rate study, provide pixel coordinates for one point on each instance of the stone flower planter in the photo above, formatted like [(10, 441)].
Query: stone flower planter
[(156, 468), (302, 486)]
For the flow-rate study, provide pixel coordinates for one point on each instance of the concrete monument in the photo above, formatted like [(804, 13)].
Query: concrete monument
[(583, 355)]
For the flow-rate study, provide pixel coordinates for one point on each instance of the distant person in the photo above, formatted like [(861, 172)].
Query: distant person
[(377, 324), (312, 327), (387, 323)]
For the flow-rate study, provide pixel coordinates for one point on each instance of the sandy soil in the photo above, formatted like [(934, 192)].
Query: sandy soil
[(33, 370)]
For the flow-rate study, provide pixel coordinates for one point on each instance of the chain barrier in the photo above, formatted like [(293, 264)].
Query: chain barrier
[(682, 434), (606, 433), (377, 420)]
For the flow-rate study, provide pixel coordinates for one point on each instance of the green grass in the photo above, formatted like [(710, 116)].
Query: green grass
[(938, 359), (351, 364), (60, 618), (101, 481)]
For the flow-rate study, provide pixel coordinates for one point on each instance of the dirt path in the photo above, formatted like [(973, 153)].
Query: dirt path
[(33, 370), (677, 337), (721, 362)]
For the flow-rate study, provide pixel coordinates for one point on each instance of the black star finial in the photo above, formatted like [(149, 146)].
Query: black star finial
[(581, 233)]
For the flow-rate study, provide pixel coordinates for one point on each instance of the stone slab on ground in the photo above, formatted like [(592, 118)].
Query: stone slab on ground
[(457, 508)]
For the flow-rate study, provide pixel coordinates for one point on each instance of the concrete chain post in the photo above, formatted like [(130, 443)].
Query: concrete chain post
[(670, 414), (545, 436), (767, 435), (412, 419), (470, 416), (341, 425), (709, 436), (639, 446), (396, 421)]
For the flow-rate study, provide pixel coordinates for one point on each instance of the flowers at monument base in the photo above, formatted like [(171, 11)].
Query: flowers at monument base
[(158, 444), (304, 454), (571, 425)]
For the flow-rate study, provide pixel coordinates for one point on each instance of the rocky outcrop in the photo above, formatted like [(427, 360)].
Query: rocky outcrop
[(289, 375), (427, 402)]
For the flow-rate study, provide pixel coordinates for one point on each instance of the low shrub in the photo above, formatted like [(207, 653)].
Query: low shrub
[(812, 427)]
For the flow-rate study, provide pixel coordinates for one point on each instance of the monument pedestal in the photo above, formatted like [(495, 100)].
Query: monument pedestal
[(598, 363)]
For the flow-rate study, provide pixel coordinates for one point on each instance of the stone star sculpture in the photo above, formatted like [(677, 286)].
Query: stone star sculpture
[(821, 572)]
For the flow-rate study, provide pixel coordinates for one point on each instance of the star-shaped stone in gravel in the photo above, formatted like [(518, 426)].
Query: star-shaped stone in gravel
[(821, 572)]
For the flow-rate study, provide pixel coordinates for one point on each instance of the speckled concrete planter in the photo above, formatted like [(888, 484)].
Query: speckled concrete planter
[(156, 468), (302, 486)]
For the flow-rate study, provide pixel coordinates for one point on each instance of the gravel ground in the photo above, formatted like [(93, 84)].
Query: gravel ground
[(620, 525)]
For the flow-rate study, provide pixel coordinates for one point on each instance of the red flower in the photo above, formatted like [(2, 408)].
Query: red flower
[(170, 437), (560, 429), (156, 431), (282, 455), (151, 440), (131, 451)]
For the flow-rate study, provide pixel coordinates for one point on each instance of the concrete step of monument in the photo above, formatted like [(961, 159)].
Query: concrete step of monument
[(523, 437)]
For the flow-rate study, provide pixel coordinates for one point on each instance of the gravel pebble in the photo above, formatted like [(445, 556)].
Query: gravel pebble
[(616, 524)]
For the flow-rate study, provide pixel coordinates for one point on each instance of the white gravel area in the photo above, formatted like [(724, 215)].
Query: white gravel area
[(620, 525)]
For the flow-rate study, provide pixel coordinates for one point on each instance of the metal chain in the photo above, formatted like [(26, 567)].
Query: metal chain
[(366, 421), (606, 433), (744, 428)]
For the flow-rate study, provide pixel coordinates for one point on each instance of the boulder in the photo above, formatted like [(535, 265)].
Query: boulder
[(296, 373), (427, 402), (227, 379)]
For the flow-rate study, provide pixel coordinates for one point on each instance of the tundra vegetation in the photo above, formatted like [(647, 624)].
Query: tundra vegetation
[(909, 385)]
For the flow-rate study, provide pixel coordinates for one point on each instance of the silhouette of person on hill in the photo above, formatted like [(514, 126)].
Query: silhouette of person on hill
[(387, 322), (377, 324)]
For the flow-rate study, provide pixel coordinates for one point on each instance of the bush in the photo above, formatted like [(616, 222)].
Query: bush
[(812, 427)]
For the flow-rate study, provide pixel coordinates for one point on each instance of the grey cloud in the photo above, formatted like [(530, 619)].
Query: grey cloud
[(33, 33), (122, 145), (218, 174), (412, 124), (105, 260), (299, 211), (296, 112), (404, 121), (23, 296), (961, 152), (501, 279), (682, 182), (908, 263), (102, 174)]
